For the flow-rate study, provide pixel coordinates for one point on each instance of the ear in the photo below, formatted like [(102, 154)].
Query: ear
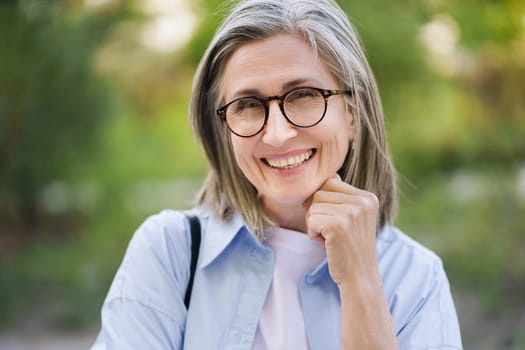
[(349, 117)]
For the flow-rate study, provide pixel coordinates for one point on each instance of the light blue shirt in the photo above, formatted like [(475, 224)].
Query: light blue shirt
[(144, 308)]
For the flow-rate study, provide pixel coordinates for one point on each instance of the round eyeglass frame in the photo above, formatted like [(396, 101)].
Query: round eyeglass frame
[(325, 93)]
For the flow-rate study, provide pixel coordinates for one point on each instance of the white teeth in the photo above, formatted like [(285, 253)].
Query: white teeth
[(291, 162)]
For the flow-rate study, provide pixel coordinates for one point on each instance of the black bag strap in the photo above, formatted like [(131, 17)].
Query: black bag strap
[(195, 229)]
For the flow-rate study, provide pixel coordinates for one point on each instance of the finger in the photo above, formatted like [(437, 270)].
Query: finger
[(335, 184), (323, 196), (347, 196), (325, 208), (316, 225), (308, 201), (340, 201)]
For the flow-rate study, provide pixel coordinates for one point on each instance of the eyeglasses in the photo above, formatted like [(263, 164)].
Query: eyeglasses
[(303, 107)]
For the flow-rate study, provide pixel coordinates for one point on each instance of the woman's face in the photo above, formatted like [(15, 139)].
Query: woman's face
[(286, 164)]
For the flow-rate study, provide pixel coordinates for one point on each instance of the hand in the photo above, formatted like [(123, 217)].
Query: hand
[(343, 218)]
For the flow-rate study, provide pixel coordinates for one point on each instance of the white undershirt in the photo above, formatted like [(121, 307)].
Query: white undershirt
[(281, 325)]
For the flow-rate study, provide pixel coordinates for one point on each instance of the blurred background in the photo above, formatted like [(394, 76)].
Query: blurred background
[(94, 137)]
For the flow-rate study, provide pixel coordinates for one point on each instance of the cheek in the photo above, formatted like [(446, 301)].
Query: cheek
[(241, 149), (243, 154), (341, 151), (343, 122), (339, 136)]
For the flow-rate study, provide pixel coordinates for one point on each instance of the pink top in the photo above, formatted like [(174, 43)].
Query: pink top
[(281, 325)]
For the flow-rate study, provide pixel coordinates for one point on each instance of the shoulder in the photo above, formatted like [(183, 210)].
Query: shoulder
[(410, 271), (156, 264), (396, 248), (159, 231), (165, 234), (149, 286), (161, 240), (418, 293), (414, 280)]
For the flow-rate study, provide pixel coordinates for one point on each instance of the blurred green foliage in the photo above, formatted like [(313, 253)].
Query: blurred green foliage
[(51, 103), (94, 137), (468, 108)]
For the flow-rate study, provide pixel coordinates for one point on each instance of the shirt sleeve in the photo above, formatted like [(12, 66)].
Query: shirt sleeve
[(432, 321), (144, 308)]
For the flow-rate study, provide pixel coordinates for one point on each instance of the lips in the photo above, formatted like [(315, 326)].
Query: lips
[(290, 162)]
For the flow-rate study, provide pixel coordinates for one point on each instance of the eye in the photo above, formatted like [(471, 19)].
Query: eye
[(302, 94), (246, 105)]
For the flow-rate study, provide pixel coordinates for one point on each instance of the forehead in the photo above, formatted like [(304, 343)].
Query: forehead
[(272, 65)]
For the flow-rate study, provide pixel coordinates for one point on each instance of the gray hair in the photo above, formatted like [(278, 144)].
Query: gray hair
[(326, 28)]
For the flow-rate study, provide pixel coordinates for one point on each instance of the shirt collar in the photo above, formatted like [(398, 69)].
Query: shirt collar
[(218, 235)]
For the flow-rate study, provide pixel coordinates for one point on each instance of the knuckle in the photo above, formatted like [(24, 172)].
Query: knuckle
[(352, 211), (371, 202), (374, 200)]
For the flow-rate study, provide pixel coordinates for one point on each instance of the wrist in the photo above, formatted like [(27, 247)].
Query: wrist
[(366, 322), (363, 280)]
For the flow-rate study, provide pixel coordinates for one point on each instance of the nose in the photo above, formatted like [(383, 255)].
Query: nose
[(277, 130)]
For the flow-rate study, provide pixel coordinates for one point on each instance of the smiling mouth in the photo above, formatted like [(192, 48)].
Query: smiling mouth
[(290, 162)]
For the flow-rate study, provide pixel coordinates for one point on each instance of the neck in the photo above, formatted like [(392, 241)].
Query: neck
[(288, 216)]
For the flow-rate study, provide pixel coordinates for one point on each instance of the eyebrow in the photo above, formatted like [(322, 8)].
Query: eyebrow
[(285, 87), (298, 82)]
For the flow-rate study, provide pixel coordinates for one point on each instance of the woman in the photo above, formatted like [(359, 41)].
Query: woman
[(298, 250)]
